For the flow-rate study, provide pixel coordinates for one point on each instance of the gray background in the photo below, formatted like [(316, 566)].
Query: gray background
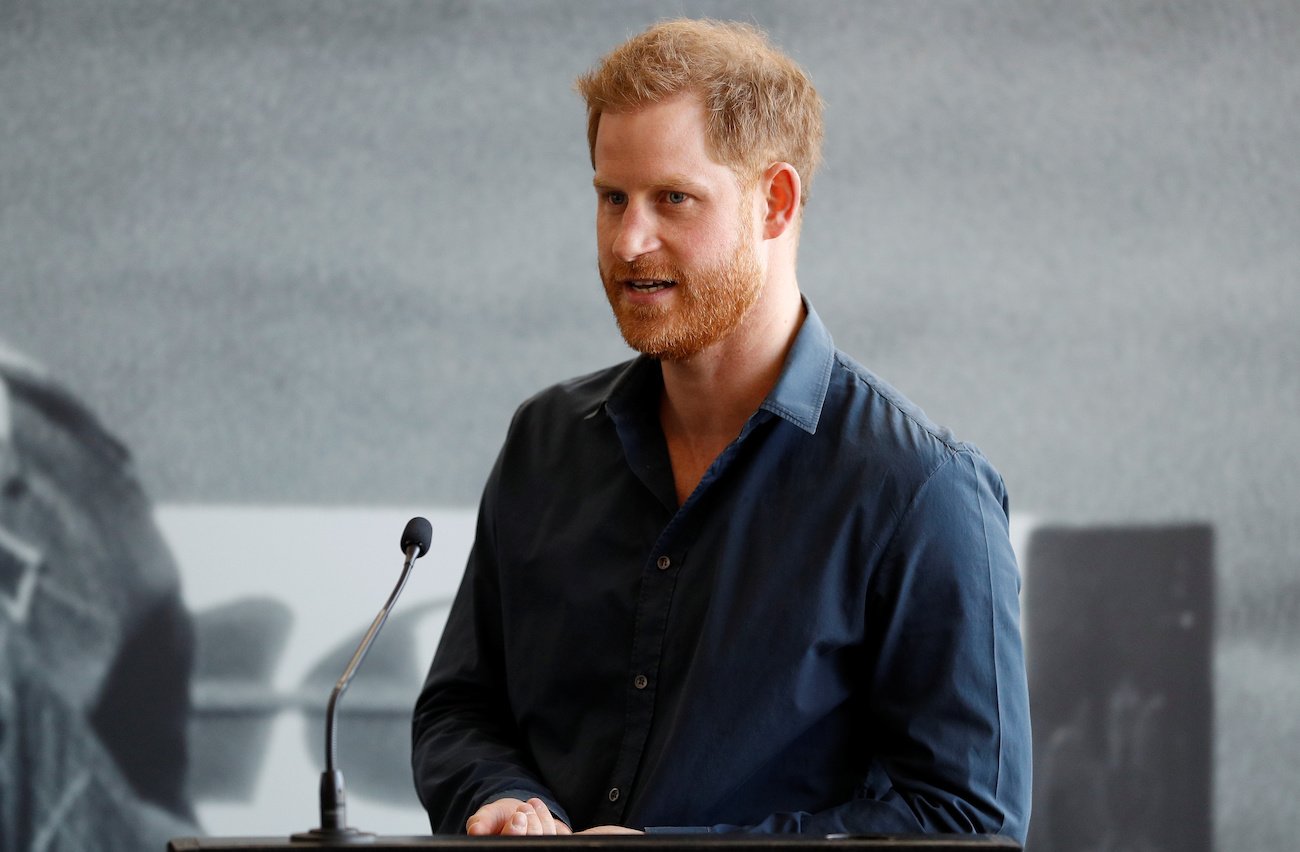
[(315, 253)]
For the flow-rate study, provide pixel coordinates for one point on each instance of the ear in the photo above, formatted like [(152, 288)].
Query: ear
[(782, 188)]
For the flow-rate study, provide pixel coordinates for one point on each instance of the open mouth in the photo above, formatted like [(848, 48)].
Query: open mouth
[(650, 286)]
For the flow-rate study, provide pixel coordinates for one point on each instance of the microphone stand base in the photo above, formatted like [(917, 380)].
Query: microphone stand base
[(332, 836)]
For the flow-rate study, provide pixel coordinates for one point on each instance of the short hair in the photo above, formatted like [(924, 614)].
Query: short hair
[(761, 106)]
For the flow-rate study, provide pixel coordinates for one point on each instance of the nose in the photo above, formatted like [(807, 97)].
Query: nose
[(637, 233)]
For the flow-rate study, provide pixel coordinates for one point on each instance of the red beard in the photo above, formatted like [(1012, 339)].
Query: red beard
[(705, 307)]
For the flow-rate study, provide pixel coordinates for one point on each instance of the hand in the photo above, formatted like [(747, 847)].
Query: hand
[(513, 817), (610, 829)]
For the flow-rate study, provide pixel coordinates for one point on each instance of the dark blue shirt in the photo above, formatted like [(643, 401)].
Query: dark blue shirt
[(823, 638)]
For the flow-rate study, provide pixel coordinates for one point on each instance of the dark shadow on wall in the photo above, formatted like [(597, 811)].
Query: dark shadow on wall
[(234, 706), (1119, 639)]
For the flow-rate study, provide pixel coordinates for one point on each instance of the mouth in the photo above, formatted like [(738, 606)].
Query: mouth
[(649, 285)]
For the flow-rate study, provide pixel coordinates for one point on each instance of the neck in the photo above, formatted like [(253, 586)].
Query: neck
[(708, 398)]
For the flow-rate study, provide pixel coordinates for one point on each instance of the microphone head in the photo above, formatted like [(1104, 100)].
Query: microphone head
[(418, 532)]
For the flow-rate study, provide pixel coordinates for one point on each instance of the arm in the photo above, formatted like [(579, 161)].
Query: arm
[(466, 747), (948, 705)]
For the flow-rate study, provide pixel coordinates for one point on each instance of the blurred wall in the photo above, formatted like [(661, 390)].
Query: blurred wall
[(314, 253)]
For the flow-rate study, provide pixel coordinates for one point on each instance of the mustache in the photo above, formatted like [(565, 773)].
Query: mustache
[(620, 270)]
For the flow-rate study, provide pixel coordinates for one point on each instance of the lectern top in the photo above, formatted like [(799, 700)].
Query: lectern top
[(638, 843)]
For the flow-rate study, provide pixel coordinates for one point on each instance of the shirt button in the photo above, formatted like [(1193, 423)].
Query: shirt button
[(664, 563), (641, 682), (613, 794)]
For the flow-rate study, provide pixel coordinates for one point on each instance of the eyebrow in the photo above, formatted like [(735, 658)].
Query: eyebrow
[(670, 182)]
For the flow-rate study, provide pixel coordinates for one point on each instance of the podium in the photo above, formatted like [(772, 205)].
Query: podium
[(606, 843)]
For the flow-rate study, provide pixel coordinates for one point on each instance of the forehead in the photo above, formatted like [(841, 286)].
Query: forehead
[(656, 142)]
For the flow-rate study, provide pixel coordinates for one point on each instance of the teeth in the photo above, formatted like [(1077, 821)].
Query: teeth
[(649, 286)]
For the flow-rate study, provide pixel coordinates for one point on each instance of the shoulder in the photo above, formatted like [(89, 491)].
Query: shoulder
[(551, 422), (576, 399), (893, 439), (871, 403)]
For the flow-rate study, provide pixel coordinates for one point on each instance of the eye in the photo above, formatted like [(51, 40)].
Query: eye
[(675, 197), (617, 199)]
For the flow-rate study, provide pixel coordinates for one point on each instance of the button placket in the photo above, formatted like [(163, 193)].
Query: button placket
[(651, 618)]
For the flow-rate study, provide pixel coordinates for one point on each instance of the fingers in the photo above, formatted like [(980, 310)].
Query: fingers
[(610, 829), (513, 817), (536, 822), (549, 824), (536, 819), (494, 818), (480, 825), (519, 819)]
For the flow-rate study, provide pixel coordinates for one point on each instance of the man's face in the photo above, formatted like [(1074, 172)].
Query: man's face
[(675, 233)]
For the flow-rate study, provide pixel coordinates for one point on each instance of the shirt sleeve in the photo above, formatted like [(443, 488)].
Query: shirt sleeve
[(948, 708), (465, 744)]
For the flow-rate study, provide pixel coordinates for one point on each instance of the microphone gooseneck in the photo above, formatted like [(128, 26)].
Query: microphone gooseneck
[(333, 806)]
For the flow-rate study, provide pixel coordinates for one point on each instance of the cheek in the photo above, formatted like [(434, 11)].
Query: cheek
[(708, 242), (603, 235), (608, 224)]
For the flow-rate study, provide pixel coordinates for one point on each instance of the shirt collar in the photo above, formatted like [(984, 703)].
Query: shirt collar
[(801, 389), (632, 384), (797, 397)]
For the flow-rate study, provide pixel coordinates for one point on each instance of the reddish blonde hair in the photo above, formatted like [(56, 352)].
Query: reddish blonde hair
[(761, 106)]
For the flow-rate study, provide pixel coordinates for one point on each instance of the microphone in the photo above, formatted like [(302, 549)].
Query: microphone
[(333, 806)]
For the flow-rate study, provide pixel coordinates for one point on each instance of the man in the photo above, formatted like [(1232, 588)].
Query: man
[(737, 583)]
